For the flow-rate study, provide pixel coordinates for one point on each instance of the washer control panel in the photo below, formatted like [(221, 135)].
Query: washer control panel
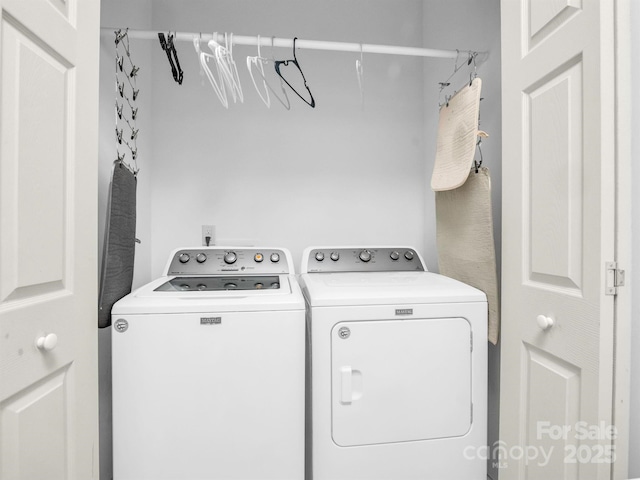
[(221, 261), (363, 259)]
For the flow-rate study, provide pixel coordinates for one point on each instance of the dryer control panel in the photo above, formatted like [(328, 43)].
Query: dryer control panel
[(223, 260), (361, 259)]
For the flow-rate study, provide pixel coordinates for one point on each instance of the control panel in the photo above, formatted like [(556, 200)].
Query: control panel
[(363, 259), (222, 261)]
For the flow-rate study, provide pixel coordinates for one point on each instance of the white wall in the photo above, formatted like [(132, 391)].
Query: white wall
[(467, 25), (335, 174), (634, 431)]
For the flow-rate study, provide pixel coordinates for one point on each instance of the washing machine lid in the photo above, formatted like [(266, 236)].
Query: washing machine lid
[(227, 293), (385, 288)]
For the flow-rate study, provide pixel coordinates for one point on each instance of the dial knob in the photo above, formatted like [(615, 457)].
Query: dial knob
[(258, 257), (275, 257), (365, 255), (335, 256), (408, 255), (230, 257), (319, 256), (394, 256), (184, 257), (201, 258)]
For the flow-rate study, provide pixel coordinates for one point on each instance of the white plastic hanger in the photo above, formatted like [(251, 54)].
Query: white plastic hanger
[(360, 75), (233, 67), (227, 67), (218, 85), (285, 103), (258, 62)]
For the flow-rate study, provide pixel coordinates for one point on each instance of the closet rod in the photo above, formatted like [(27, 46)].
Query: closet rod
[(300, 43)]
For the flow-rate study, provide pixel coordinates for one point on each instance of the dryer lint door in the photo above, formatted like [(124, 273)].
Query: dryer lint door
[(400, 380)]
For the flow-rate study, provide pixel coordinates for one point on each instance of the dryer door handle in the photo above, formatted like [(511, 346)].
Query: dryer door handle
[(346, 385), (350, 385)]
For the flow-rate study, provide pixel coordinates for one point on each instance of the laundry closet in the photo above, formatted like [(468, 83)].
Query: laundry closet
[(355, 169)]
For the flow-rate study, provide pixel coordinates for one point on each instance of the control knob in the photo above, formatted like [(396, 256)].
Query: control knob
[(275, 257), (319, 256), (335, 256), (394, 255), (365, 255), (230, 257), (408, 255), (201, 258), (184, 257)]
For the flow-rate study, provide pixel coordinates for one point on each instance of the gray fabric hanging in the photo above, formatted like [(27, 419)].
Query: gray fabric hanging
[(119, 242)]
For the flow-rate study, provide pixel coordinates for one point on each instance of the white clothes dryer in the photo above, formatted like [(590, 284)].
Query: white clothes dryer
[(208, 370), (397, 368)]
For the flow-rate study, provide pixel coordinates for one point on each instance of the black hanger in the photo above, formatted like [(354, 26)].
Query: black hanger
[(311, 103), (172, 55)]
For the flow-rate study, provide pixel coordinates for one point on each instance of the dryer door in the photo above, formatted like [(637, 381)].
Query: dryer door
[(400, 380)]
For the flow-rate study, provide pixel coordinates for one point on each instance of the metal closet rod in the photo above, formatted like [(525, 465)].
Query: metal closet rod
[(301, 43)]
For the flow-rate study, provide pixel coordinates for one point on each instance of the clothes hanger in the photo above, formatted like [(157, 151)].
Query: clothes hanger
[(226, 67), (218, 85), (278, 63), (170, 49), (471, 58), (258, 63), (285, 103), (233, 67), (360, 76)]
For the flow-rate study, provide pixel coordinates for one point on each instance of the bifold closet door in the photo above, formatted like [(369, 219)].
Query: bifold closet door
[(48, 239), (559, 163)]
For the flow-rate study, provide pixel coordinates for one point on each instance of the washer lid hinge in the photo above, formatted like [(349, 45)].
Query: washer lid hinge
[(614, 278)]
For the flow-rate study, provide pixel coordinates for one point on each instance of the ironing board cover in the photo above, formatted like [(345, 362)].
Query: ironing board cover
[(119, 242), (457, 136), (466, 248)]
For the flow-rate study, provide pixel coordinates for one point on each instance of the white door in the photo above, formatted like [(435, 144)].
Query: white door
[(558, 233), (48, 219)]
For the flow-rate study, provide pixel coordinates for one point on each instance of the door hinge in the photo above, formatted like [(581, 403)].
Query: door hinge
[(614, 278)]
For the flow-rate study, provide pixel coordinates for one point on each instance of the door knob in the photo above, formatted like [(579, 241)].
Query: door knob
[(544, 322), (47, 342)]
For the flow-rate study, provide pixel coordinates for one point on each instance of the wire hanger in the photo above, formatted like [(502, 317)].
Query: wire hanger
[(126, 136), (170, 49), (312, 102), (457, 65), (258, 63)]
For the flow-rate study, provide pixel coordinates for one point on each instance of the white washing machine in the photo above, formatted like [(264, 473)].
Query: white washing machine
[(208, 370), (397, 368)]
